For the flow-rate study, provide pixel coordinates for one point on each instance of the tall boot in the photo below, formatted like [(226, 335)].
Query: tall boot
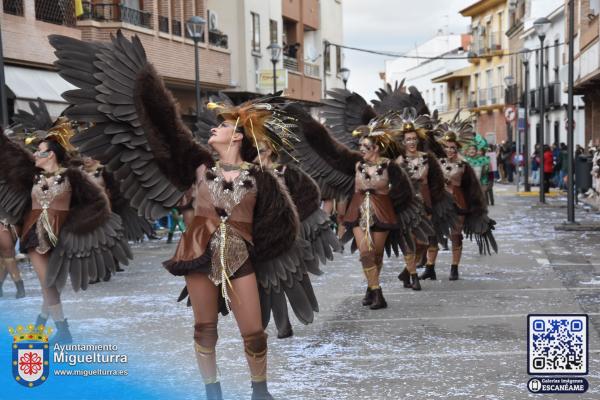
[(453, 272), (62, 335), (170, 238), (20, 289), (429, 273), (404, 276), (41, 320), (378, 300), (260, 391), (213, 391), (107, 275), (368, 299), (414, 282)]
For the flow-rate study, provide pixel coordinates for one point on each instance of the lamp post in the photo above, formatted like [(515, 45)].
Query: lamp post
[(195, 27), (524, 54), (541, 26), (458, 98), (345, 74), (570, 118), (275, 50)]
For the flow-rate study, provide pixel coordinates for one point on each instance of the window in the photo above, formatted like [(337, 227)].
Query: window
[(441, 95), (255, 33), (338, 59), (433, 96), (273, 31), (500, 76), (327, 59)]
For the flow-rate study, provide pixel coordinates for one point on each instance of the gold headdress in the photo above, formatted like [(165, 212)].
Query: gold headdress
[(261, 122), (455, 131), (411, 122), (382, 130), (61, 132)]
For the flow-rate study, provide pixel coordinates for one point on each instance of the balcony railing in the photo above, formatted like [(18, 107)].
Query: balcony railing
[(472, 102), (55, 12), (14, 7), (311, 70), (552, 98), (163, 24), (511, 95), (290, 63), (483, 97), (494, 41), (116, 13), (176, 27), (218, 38)]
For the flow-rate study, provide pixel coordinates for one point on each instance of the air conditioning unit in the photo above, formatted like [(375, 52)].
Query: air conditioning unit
[(213, 21)]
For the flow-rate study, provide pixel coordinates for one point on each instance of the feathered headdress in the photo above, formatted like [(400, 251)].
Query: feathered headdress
[(61, 132), (410, 121), (382, 131), (455, 131), (261, 121)]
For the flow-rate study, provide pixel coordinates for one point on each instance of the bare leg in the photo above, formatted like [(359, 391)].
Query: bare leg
[(245, 305), (50, 294), (7, 254), (204, 296)]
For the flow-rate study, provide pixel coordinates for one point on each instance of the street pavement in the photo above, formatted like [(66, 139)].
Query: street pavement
[(458, 340)]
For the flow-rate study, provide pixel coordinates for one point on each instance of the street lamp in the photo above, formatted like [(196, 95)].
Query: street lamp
[(195, 27), (275, 50), (524, 55), (541, 26), (345, 74), (570, 116)]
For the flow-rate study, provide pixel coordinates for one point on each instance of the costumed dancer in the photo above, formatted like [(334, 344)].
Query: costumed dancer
[(67, 227), (464, 186), (242, 242), (315, 224), (8, 262), (383, 199), (427, 179)]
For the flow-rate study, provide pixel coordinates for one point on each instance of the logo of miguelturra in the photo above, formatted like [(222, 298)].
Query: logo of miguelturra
[(30, 354)]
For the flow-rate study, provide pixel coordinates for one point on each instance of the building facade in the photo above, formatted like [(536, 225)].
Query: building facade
[(422, 72), (489, 60), (305, 68), (586, 46), (160, 25), (555, 76)]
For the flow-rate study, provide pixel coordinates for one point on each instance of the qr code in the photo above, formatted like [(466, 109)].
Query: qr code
[(557, 344)]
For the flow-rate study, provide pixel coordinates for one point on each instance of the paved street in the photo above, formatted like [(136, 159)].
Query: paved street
[(463, 340)]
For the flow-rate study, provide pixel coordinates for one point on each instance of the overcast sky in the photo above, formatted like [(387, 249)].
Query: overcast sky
[(392, 25)]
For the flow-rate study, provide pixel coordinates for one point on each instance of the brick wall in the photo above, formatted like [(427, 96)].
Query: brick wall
[(492, 122), (25, 39), (174, 59), (589, 28)]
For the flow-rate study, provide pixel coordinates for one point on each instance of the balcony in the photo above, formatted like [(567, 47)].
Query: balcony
[(116, 13), (290, 63), (312, 70), (494, 42), (218, 39), (53, 12), (13, 7), (552, 98), (472, 102)]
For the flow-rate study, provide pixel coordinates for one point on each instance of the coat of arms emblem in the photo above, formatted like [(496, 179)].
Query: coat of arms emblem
[(30, 354)]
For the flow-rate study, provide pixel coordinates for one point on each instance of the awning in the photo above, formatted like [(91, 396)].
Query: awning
[(28, 84), (461, 73)]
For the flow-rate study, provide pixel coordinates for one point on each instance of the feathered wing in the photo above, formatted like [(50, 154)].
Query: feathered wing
[(138, 133), (477, 224), (329, 162), (343, 112), (315, 225), (38, 119), (410, 214), (444, 214), (17, 170), (279, 254), (135, 226), (91, 239), (397, 99)]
